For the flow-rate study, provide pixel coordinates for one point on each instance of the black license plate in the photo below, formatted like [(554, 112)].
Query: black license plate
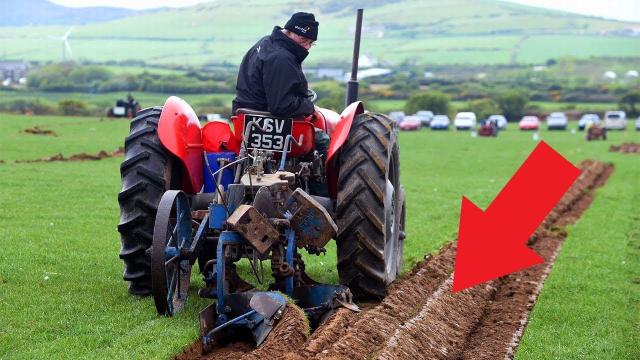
[(274, 134)]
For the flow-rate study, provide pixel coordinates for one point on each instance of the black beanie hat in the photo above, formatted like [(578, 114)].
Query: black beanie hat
[(303, 24)]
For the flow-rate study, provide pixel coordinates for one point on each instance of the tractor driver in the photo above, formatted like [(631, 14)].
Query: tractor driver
[(271, 78)]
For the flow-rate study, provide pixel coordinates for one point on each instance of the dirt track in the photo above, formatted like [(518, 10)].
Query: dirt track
[(421, 318)]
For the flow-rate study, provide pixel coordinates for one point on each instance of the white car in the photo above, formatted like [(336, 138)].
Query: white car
[(615, 120), (465, 120), (557, 121), (440, 122), (638, 124), (588, 119), (500, 120)]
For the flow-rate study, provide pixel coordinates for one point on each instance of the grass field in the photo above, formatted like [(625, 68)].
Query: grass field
[(61, 293), (424, 32)]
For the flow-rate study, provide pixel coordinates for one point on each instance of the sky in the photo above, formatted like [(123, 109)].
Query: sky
[(612, 9)]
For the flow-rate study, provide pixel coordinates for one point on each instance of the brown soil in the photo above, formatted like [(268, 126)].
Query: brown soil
[(422, 318), (38, 131), (102, 154), (626, 148), (288, 335)]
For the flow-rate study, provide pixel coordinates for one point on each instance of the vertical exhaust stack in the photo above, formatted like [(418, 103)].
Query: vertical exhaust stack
[(352, 85)]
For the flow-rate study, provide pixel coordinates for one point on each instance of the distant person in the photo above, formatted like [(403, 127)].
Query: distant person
[(270, 76), (132, 104)]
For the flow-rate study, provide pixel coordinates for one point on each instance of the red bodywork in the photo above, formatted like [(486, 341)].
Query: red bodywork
[(179, 131)]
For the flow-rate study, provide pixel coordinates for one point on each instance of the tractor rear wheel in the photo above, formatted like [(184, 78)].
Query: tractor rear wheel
[(369, 207), (148, 170)]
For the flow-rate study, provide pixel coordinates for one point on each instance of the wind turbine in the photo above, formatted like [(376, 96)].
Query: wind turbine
[(65, 44)]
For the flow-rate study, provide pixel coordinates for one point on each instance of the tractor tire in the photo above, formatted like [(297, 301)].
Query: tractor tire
[(369, 207), (148, 170)]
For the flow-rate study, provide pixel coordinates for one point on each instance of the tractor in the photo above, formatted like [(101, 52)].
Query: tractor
[(128, 108), (260, 189)]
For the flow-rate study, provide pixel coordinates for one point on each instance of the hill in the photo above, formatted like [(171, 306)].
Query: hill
[(42, 12), (414, 31)]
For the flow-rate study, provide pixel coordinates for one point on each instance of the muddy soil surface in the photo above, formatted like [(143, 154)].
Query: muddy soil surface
[(38, 131), (626, 148), (422, 318), (102, 154)]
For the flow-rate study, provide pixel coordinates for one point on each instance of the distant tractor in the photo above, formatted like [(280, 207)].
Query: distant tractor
[(262, 189), (596, 132), (124, 108), (488, 127)]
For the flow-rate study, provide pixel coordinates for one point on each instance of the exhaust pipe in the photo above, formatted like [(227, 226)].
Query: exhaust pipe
[(352, 85)]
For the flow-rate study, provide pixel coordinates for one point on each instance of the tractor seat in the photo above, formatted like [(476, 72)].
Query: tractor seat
[(251, 111)]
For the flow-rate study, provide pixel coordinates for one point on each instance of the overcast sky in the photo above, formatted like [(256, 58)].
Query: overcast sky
[(612, 9)]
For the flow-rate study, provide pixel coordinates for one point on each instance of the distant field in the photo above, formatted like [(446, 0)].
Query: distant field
[(415, 31)]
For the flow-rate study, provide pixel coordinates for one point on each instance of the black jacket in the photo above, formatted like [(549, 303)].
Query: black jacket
[(271, 78)]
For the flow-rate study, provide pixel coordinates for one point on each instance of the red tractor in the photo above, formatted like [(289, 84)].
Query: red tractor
[(261, 189)]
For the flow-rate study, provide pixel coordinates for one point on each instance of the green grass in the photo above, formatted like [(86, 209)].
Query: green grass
[(61, 292), (590, 305)]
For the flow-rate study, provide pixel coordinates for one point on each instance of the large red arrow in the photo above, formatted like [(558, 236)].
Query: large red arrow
[(493, 243)]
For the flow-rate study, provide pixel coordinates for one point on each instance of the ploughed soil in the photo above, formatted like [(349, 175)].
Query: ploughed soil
[(626, 148), (38, 131), (422, 318), (102, 154)]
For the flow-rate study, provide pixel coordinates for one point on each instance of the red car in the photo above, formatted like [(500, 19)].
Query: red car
[(410, 123), (529, 123)]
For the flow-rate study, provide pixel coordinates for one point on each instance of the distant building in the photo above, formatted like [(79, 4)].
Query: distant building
[(331, 73), (632, 74), (362, 74), (13, 70), (609, 75)]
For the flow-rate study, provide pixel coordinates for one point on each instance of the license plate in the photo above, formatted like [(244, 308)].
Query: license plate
[(274, 136)]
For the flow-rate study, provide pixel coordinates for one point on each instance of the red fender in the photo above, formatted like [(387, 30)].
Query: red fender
[(338, 137), (180, 133)]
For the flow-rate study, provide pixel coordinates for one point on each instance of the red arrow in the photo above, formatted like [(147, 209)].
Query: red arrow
[(493, 243)]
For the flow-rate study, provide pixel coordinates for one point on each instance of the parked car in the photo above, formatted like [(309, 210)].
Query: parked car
[(615, 120), (410, 123), (588, 119), (500, 120), (638, 124), (425, 116), (397, 116), (465, 121), (529, 122), (557, 121), (440, 122)]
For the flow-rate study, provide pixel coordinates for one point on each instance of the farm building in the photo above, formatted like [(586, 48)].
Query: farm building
[(14, 70)]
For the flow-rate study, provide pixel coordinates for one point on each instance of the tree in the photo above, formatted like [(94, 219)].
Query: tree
[(431, 100), (331, 95), (512, 104), (483, 108), (630, 103)]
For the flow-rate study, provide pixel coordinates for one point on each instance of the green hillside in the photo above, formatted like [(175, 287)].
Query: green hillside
[(418, 31)]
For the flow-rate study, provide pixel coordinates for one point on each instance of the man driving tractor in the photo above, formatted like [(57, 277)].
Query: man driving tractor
[(270, 76), (271, 79)]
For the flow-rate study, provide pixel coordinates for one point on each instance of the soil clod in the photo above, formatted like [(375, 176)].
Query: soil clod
[(102, 154), (38, 131), (626, 148)]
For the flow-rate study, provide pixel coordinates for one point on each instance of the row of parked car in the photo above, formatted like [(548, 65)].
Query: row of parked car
[(613, 120)]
